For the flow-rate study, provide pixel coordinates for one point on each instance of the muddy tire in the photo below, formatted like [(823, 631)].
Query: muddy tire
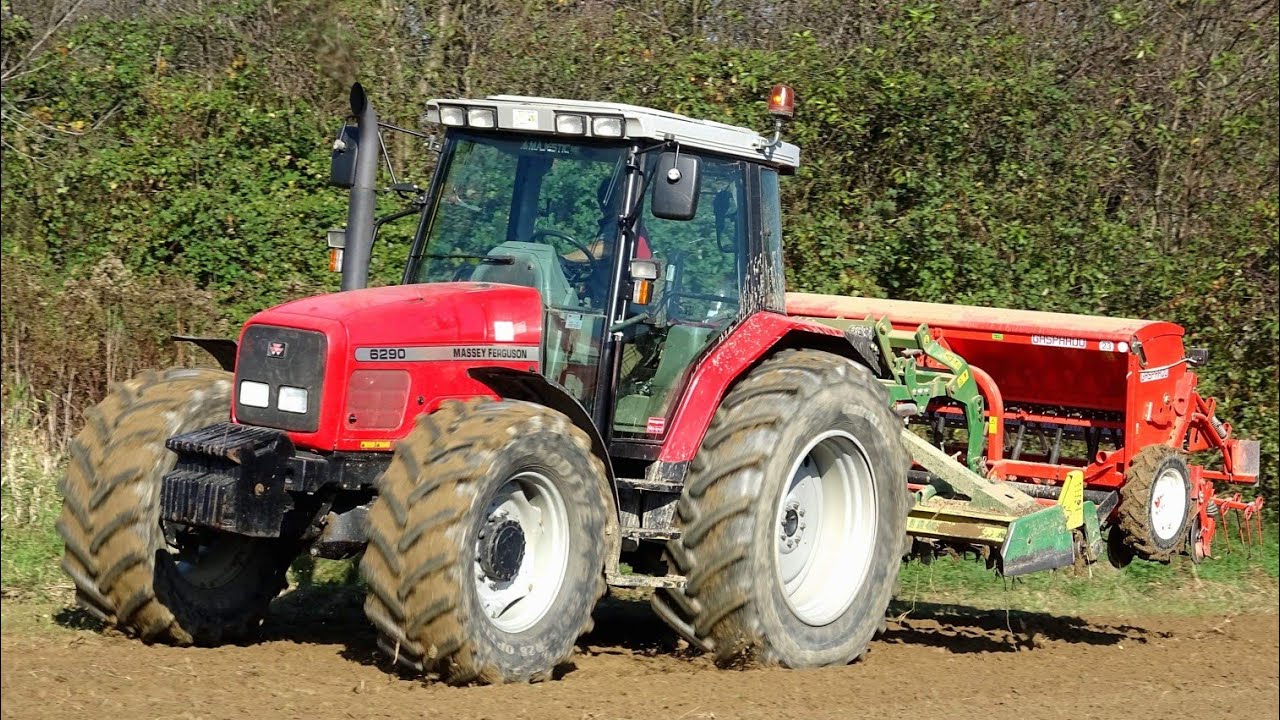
[(792, 519), (1119, 553), (1156, 503), (125, 570), (486, 543)]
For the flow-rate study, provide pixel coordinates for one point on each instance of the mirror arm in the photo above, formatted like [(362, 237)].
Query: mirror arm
[(406, 131), (386, 157), (377, 224)]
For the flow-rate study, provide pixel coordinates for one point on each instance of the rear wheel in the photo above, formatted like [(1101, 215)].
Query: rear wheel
[(167, 584), (793, 517), (486, 543), (1156, 504)]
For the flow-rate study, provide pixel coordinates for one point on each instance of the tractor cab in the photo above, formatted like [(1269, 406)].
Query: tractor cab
[(646, 234)]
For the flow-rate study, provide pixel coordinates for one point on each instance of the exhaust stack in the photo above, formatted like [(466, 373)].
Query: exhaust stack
[(359, 240)]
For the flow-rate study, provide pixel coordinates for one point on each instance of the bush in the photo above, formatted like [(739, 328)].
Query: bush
[(164, 170)]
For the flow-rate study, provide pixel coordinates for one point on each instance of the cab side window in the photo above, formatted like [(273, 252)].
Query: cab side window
[(699, 296), (703, 255)]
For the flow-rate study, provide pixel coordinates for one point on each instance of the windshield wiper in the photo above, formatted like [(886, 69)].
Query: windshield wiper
[(485, 259)]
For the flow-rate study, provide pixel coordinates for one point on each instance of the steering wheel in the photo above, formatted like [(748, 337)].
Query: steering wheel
[(540, 233), (577, 272)]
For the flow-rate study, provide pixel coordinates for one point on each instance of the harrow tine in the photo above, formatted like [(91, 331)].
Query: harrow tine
[(1248, 520), (1226, 527)]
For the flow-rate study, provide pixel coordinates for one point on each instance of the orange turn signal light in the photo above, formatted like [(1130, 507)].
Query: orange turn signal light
[(641, 291)]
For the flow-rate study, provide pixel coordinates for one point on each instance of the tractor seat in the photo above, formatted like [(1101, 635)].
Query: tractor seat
[(535, 265)]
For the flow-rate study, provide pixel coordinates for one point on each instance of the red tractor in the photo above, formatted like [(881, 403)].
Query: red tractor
[(587, 377)]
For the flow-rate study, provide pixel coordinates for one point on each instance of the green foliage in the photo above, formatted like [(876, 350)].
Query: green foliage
[(1107, 159), (29, 502)]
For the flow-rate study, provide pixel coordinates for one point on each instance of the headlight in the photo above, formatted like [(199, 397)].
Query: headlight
[(452, 115), (606, 126), (571, 124), (254, 394), (292, 399), (482, 117)]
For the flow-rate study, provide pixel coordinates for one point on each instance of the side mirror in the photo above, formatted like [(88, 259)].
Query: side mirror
[(677, 180), (342, 161)]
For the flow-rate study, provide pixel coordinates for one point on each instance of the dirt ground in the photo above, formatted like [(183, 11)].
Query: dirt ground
[(937, 662)]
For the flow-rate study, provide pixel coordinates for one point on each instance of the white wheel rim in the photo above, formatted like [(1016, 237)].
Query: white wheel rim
[(1168, 504), (824, 528), (515, 600)]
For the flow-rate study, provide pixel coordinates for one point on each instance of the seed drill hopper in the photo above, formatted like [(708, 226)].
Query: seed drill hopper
[(1032, 430)]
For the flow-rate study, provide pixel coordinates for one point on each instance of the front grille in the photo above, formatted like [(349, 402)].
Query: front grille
[(282, 356)]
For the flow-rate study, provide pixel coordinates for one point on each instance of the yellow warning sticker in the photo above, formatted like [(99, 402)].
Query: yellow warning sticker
[(997, 336), (991, 425), (375, 444), (963, 378)]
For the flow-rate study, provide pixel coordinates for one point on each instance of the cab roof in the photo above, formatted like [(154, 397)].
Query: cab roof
[(537, 114)]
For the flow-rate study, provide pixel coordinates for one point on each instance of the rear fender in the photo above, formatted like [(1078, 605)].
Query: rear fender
[(750, 343)]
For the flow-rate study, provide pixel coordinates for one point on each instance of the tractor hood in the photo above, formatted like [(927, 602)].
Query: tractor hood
[(351, 370), (436, 313)]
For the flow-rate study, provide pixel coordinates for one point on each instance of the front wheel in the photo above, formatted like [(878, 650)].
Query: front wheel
[(793, 517), (171, 584), (486, 543)]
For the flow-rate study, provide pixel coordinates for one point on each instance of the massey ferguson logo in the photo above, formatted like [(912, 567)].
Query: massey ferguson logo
[(276, 349)]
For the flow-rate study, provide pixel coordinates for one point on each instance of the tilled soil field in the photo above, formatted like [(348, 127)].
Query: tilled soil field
[(936, 662)]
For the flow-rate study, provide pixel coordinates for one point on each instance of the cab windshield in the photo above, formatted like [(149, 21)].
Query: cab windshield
[(530, 211)]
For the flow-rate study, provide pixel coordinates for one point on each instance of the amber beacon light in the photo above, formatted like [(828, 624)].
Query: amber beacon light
[(782, 101)]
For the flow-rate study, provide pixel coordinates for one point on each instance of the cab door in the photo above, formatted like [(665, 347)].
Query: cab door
[(703, 264)]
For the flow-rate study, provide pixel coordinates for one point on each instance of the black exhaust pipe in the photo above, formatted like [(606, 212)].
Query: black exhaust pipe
[(359, 240)]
